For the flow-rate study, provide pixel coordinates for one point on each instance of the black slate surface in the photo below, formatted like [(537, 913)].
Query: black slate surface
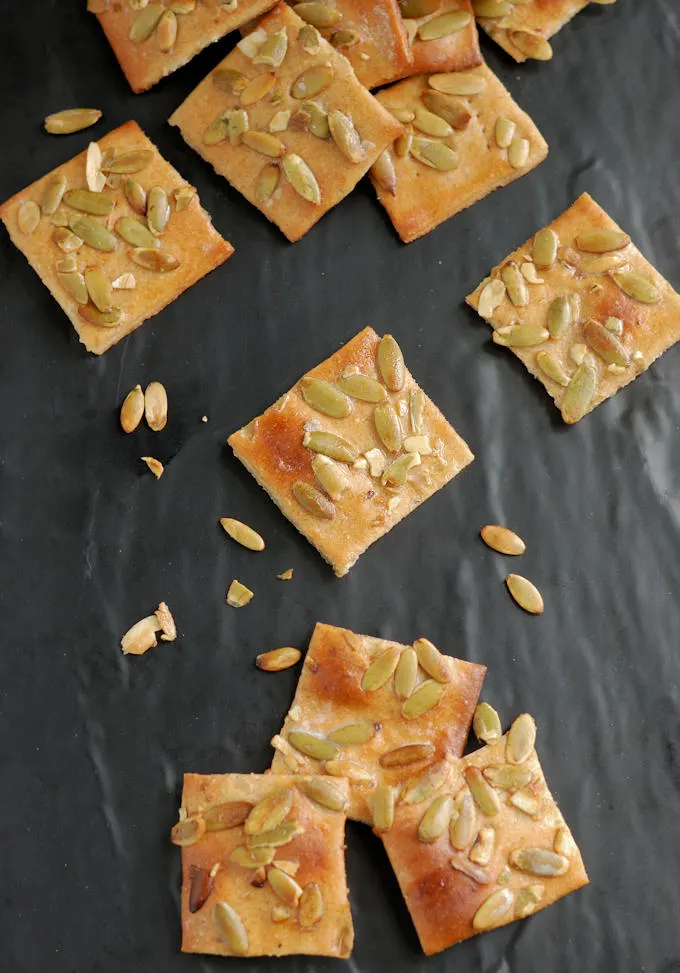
[(94, 744)]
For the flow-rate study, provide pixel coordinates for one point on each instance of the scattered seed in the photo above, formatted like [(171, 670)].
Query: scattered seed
[(286, 575), (432, 661), (457, 83), (380, 670), (424, 787), (483, 848), (406, 674), (71, 120), (636, 287), (486, 723), (559, 317), (281, 912), (330, 445), (276, 660), (312, 81), (544, 248), (252, 857), (273, 51), (91, 232), (312, 746), (99, 288), (515, 285), (528, 271), (518, 152), (141, 637), (159, 261), (521, 335), (492, 8), (436, 819), (238, 595), (562, 843), (494, 908), (448, 108), (508, 777), (284, 886), (531, 45), (94, 177), (126, 282), (146, 22), (345, 136), (353, 734), (74, 282), (310, 39), (320, 15), (430, 123), (102, 319), (397, 472), (414, 9), (388, 427), (425, 698), (223, 817), (602, 241), (482, 792), (436, 155), (323, 792), (157, 211), (311, 906), (464, 821), (605, 344), (54, 192), (230, 928), (129, 162), (353, 772), (551, 367), (504, 132), (187, 832), (281, 835), (301, 178), (267, 182), (242, 533), (85, 201), (382, 807), (409, 753), (345, 37), (521, 739), (444, 25), (156, 406), (326, 398), (491, 297), (579, 393), (201, 884), (526, 802), (313, 500), (527, 899), (539, 861), (403, 143), (384, 173)]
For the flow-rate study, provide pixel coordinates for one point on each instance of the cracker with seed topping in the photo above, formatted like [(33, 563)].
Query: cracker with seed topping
[(464, 137), (376, 712), (115, 234), (351, 449), (263, 866), (486, 847), (285, 120), (581, 307), (442, 35)]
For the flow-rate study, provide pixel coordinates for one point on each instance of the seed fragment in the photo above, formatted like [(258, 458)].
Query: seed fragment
[(353, 734), (269, 812), (579, 393), (521, 739), (636, 287), (223, 817), (447, 107), (414, 9), (311, 906), (326, 398), (605, 344), (436, 155), (432, 661), (518, 152), (531, 45), (424, 787), (252, 857), (54, 192), (353, 772), (273, 51), (483, 848), (320, 15), (310, 39), (276, 660), (457, 83), (187, 832), (530, 273), (526, 802), (313, 746), (301, 178), (492, 8), (345, 37), (482, 792), (218, 130), (491, 297), (71, 120), (521, 335), (312, 81), (238, 595), (494, 908), (602, 241), (230, 928), (380, 670), (562, 843), (141, 637), (323, 792), (382, 807), (528, 898), (384, 172), (91, 232), (200, 886), (146, 22), (461, 863), (156, 406), (331, 475), (425, 698), (486, 723), (396, 474), (406, 674), (331, 445), (464, 821), (159, 261), (539, 861), (285, 575), (410, 753), (313, 500), (129, 162), (444, 25), (102, 319), (154, 465), (281, 912)]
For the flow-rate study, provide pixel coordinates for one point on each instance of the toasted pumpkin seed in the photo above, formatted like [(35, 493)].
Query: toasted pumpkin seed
[(229, 80), (551, 367), (103, 319), (326, 398), (518, 152), (281, 835), (313, 500), (382, 807), (380, 670), (562, 843), (269, 812), (157, 211), (403, 143), (97, 204), (559, 317), (159, 261), (457, 83), (385, 175), (436, 155), (273, 51), (331, 445), (515, 285), (397, 472), (284, 886), (414, 9), (276, 660), (154, 465), (311, 906), (312, 81), (238, 594), (201, 884), (229, 927), (223, 817), (91, 232), (391, 363), (508, 777), (425, 698), (166, 31), (301, 178), (436, 819), (493, 909), (218, 130), (544, 247), (242, 533), (525, 594), (450, 109), (483, 848), (267, 182), (331, 475), (579, 393), (135, 195), (409, 753), (491, 297), (444, 25), (345, 37), (313, 746), (486, 723), (54, 192), (538, 861), (482, 792), (424, 787), (432, 661), (188, 831), (129, 162), (135, 233), (406, 674), (323, 792), (74, 282), (361, 387), (605, 344), (521, 335), (132, 409), (252, 857), (279, 121), (388, 427), (99, 288), (71, 120), (430, 123), (531, 45), (353, 734), (502, 539), (320, 15), (264, 143), (464, 821), (521, 739), (636, 287), (345, 136), (602, 241), (615, 325), (310, 39), (256, 89), (156, 406), (492, 8)]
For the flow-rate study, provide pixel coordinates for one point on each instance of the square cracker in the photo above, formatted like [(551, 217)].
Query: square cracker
[(443, 900), (598, 361), (146, 62), (329, 696), (333, 174), (189, 237), (317, 849), (456, 50), (423, 196), (271, 448), (524, 28)]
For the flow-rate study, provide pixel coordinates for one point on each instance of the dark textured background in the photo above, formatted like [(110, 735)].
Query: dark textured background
[(94, 744)]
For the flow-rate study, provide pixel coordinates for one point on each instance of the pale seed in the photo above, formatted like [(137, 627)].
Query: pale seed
[(310, 39), (636, 287), (502, 539), (331, 475), (526, 802), (504, 132), (385, 175), (494, 908), (515, 285), (397, 472), (141, 637), (602, 241), (74, 282), (313, 500), (318, 119), (166, 31), (605, 344), (391, 363), (279, 121), (539, 861), (382, 807), (492, 8), (267, 182), (406, 674), (562, 843), (345, 37), (345, 136), (285, 887), (436, 819), (238, 595), (521, 739), (281, 835), (264, 143), (544, 248), (223, 817), (237, 125), (486, 723), (380, 670), (615, 325), (531, 45), (166, 622), (446, 107), (416, 407), (528, 271), (424, 787), (136, 196), (187, 832), (550, 367), (312, 746), (526, 900), (269, 812), (521, 335), (129, 162), (326, 398), (230, 928), (388, 427), (578, 352), (156, 406), (483, 848), (134, 232), (157, 210), (508, 777), (146, 22), (483, 793), (97, 204), (154, 465), (353, 734), (330, 445), (94, 177), (158, 260), (312, 81), (376, 460), (425, 698), (217, 131), (559, 317), (99, 288), (414, 9), (290, 868), (353, 772), (579, 393), (252, 857), (71, 120), (281, 912), (361, 387), (462, 863), (403, 143), (276, 660), (93, 233), (525, 593), (257, 88), (323, 792), (285, 575), (319, 15), (430, 123), (464, 822), (444, 25), (436, 155), (54, 192), (301, 178), (432, 661), (229, 80), (410, 753), (458, 83), (251, 43), (66, 265), (518, 152), (491, 297), (273, 51), (311, 906)]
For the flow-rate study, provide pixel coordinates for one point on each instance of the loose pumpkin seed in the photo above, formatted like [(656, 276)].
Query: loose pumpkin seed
[(409, 753), (132, 409), (559, 317), (525, 593), (414, 9), (312, 81), (544, 248), (229, 927), (157, 211), (331, 445), (436, 155), (483, 848), (406, 674), (54, 192), (252, 857), (187, 832), (493, 909), (605, 344), (242, 534), (526, 899), (326, 398), (267, 182), (301, 178), (380, 670), (135, 195), (464, 821), (430, 123), (458, 83), (141, 636), (313, 746), (103, 319), (281, 835), (146, 22), (539, 861), (446, 107), (491, 297), (345, 136), (486, 723), (397, 472), (432, 661), (444, 25), (515, 285), (518, 152), (276, 660), (154, 465), (313, 501), (99, 288), (353, 734), (345, 37), (238, 594), (97, 204), (531, 45), (382, 807), (159, 261), (135, 233), (311, 906), (508, 777), (74, 282), (436, 819), (128, 162), (320, 15), (551, 367), (579, 393), (385, 175), (28, 217), (331, 475), (602, 241), (273, 51), (521, 739), (323, 792), (425, 698), (482, 792), (269, 812), (223, 817), (636, 287), (492, 8), (521, 335), (71, 120), (388, 427), (502, 539), (230, 81)]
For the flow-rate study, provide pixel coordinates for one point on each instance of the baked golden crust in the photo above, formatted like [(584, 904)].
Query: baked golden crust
[(424, 197), (144, 63), (443, 900), (189, 236), (457, 51), (643, 330), (329, 695), (542, 18), (334, 174), (271, 448), (317, 851)]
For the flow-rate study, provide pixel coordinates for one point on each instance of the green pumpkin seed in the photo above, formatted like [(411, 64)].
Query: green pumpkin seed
[(301, 178), (157, 211), (492, 8), (525, 594), (97, 204), (223, 817), (71, 120), (311, 906), (319, 15), (403, 143), (313, 746), (602, 241), (458, 83), (544, 247), (380, 670), (313, 501), (430, 123), (486, 723), (269, 812), (559, 317), (252, 857), (388, 427), (406, 674), (264, 143), (93, 233), (504, 132), (66, 265), (508, 777), (397, 472), (531, 45), (267, 182), (414, 9), (330, 445), (99, 288), (521, 739), (345, 37), (444, 25), (281, 835), (28, 217), (136, 196), (129, 162), (146, 22), (103, 319), (159, 261), (353, 734), (256, 89), (391, 363), (515, 284), (237, 125), (539, 861), (318, 119), (436, 819), (361, 387), (312, 81), (464, 821), (432, 661), (636, 287), (66, 240), (410, 753), (229, 927), (416, 407), (424, 787), (74, 282), (482, 792), (230, 81), (382, 807), (273, 51), (521, 335), (310, 39), (493, 909), (436, 155), (551, 367), (579, 393), (326, 398), (54, 192), (425, 698), (323, 793), (135, 233), (345, 136), (384, 173), (448, 108), (605, 344), (331, 475)]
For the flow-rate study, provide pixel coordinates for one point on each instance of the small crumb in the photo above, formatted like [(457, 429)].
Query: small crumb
[(204, 418), (166, 622), (154, 465), (285, 575), (238, 595)]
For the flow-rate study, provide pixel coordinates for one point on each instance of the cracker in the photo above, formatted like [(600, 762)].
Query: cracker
[(189, 239), (420, 196), (369, 500), (444, 900), (310, 174), (606, 336), (330, 696), (455, 50), (314, 858), (523, 28)]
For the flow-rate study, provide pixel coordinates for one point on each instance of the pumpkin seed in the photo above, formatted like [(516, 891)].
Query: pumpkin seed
[(521, 335), (526, 802), (526, 899), (74, 282), (281, 912), (503, 540), (446, 107), (353, 772), (403, 143), (290, 868), (353, 734), (154, 465), (414, 9), (397, 472), (391, 363), (388, 427), (312, 746), (242, 534), (559, 317), (491, 297), (71, 120), (301, 178), (605, 344), (562, 843), (457, 83), (384, 173), (312, 81), (482, 792), (66, 240), (92, 232), (544, 247), (217, 131), (146, 22), (311, 906), (432, 661), (269, 812), (97, 204), (252, 857), (636, 287), (237, 125), (539, 861), (267, 182), (345, 37), (320, 15), (492, 8), (331, 445), (436, 819), (424, 787), (493, 909), (323, 792), (416, 407), (462, 863), (531, 45), (257, 88), (132, 409), (382, 807), (409, 753), (277, 660), (464, 821), (345, 136), (230, 81), (508, 777), (444, 25), (602, 241), (167, 31), (551, 367), (310, 39), (279, 121), (486, 723), (361, 387), (66, 265), (129, 162), (99, 288), (521, 739), (530, 274), (273, 51), (515, 285), (54, 192), (436, 155), (406, 674), (158, 260), (332, 477), (483, 848), (380, 670), (28, 217), (518, 152), (326, 398), (284, 886), (579, 393), (135, 195), (157, 211), (281, 835), (103, 319), (425, 698), (318, 119), (187, 832), (230, 928), (135, 233), (525, 593), (223, 817), (430, 123), (265, 143), (156, 406), (313, 500), (200, 886)]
